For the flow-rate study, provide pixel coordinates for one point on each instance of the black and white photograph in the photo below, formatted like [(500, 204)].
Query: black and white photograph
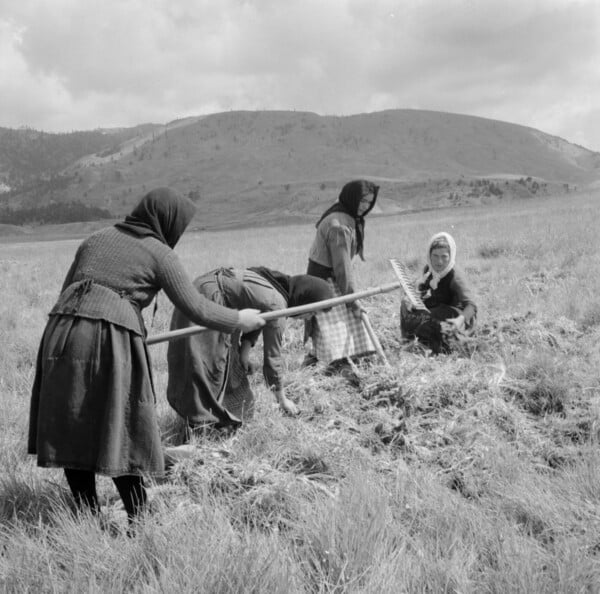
[(300, 296)]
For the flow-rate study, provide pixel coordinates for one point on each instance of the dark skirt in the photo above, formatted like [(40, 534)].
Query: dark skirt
[(93, 402), (426, 327), (207, 385)]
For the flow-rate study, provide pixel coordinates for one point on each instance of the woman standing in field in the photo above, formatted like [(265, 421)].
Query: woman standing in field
[(340, 334), (207, 371), (93, 401), (445, 293)]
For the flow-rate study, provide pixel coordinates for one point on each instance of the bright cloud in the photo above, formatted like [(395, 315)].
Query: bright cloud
[(69, 64)]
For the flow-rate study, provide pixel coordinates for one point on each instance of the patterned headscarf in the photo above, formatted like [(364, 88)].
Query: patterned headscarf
[(349, 202), (440, 240), (162, 213)]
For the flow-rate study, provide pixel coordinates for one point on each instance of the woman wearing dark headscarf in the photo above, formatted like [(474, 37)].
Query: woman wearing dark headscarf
[(207, 380), (339, 334), (93, 402)]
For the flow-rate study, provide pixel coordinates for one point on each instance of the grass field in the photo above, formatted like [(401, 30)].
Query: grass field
[(473, 472)]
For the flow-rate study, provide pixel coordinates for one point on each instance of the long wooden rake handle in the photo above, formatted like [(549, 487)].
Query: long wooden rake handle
[(373, 337), (282, 313)]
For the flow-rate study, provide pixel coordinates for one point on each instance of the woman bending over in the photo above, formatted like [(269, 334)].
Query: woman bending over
[(207, 371)]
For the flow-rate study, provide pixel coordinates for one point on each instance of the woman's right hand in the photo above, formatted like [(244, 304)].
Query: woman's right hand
[(357, 309), (408, 304), (249, 320)]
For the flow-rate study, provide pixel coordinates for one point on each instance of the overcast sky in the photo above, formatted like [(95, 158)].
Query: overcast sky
[(81, 64)]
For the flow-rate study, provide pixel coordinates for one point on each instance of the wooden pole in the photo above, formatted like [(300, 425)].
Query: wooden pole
[(282, 313), (373, 337)]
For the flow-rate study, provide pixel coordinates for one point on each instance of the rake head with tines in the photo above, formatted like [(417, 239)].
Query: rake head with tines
[(407, 284)]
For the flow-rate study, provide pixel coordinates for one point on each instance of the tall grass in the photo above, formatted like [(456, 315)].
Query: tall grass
[(472, 472)]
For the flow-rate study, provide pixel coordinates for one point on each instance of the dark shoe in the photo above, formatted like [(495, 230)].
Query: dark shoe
[(344, 368), (309, 360), (351, 377)]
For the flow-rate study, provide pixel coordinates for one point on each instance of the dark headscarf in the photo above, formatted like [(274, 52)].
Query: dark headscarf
[(162, 213), (301, 289), (305, 289), (349, 201)]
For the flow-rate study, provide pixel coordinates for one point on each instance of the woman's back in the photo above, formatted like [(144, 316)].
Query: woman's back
[(121, 262)]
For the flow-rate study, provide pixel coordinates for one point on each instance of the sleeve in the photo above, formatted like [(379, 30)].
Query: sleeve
[(272, 341), (463, 296), (251, 337), (69, 278), (422, 284), (175, 282), (339, 244)]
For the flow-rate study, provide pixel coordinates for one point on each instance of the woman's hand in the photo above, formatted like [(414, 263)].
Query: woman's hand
[(458, 322), (245, 357), (286, 405), (407, 303), (357, 309), (249, 320)]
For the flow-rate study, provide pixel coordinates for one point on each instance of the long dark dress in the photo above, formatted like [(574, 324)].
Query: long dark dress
[(92, 403), (206, 383), (96, 425)]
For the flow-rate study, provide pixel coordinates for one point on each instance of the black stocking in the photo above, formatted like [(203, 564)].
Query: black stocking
[(133, 493), (83, 486)]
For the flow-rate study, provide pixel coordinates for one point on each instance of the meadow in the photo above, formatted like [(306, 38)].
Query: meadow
[(477, 471)]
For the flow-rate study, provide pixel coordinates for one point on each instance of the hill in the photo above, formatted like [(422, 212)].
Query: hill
[(29, 156), (246, 168)]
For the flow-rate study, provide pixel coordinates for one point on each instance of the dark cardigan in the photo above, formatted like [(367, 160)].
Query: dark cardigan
[(451, 290)]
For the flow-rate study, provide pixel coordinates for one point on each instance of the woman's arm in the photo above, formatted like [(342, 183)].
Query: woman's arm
[(272, 367), (272, 341), (339, 244), (179, 289), (69, 278), (463, 297)]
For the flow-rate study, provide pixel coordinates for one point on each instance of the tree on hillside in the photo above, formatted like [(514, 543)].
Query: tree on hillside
[(65, 212)]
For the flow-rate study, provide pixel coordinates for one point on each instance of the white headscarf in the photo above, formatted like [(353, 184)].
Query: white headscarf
[(436, 277)]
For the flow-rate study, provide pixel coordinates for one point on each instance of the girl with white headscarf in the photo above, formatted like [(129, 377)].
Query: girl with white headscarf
[(444, 292)]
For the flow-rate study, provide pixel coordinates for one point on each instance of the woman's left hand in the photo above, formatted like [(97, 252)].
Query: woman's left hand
[(245, 357), (286, 405), (357, 309), (458, 322)]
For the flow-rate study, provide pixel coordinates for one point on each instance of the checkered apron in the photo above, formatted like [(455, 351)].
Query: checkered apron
[(337, 333)]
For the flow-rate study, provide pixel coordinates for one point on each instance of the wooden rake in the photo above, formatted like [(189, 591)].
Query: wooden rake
[(283, 313), (407, 285)]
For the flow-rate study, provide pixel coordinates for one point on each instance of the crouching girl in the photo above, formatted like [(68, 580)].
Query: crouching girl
[(445, 293)]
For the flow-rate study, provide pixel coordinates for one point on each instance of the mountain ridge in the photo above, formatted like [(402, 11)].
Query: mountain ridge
[(261, 166)]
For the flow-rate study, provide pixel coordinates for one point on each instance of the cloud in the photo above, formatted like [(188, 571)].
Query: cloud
[(69, 64)]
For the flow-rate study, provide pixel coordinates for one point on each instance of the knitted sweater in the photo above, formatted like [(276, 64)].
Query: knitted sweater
[(135, 269), (452, 290), (334, 247)]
